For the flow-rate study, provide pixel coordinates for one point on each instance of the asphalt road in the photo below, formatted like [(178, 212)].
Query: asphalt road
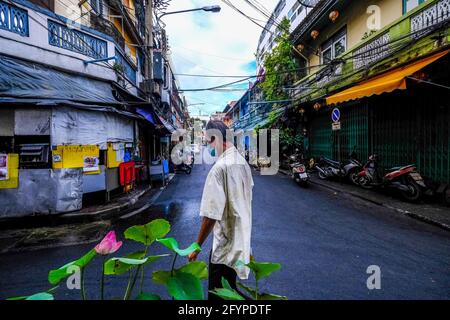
[(325, 243)]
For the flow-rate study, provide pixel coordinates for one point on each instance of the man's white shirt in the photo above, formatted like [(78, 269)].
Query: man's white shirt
[(227, 198)]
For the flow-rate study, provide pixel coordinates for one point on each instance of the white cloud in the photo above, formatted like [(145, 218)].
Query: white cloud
[(221, 43)]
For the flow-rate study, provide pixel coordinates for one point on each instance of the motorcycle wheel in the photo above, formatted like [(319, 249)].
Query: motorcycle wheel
[(414, 194), (353, 176), (364, 182), (322, 175), (303, 184)]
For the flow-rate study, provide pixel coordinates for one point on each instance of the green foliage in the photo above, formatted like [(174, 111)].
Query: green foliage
[(148, 233), (261, 296), (196, 268), (280, 66), (272, 118), (148, 296), (55, 276), (263, 269), (36, 296), (289, 138), (118, 266), (172, 244), (184, 283), (185, 286), (227, 292)]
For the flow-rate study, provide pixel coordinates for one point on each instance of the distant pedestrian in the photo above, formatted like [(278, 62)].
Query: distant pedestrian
[(226, 207)]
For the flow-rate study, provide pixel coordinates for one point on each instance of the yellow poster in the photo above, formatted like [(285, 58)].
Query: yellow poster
[(114, 158), (74, 156), (11, 177)]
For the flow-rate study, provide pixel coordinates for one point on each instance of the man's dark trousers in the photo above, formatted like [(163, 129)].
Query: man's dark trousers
[(216, 272)]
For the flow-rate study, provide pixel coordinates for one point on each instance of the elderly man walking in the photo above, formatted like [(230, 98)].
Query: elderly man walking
[(226, 208)]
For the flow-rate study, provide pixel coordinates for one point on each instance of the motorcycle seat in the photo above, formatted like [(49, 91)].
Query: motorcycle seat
[(332, 162), (398, 168), (393, 169)]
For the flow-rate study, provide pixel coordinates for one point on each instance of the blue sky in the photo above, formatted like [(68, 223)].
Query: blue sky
[(217, 44)]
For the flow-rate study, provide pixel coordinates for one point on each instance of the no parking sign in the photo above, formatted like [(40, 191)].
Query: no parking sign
[(335, 117)]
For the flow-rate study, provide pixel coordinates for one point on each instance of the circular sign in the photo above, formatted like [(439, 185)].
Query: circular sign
[(336, 115)]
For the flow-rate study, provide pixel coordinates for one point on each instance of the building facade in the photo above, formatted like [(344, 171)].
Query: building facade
[(80, 109), (384, 64)]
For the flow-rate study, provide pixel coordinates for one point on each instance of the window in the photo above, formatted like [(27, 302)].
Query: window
[(292, 12), (97, 6), (279, 8), (408, 5), (334, 47)]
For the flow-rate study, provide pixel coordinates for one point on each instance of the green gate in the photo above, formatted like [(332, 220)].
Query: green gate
[(413, 128), (353, 133)]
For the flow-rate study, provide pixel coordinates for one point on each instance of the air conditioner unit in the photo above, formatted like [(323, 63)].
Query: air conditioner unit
[(158, 66), (146, 86)]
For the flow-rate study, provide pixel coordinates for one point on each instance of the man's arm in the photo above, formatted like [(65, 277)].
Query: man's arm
[(205, 230)]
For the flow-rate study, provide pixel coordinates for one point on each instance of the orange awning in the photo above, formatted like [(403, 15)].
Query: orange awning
[(387, 82)]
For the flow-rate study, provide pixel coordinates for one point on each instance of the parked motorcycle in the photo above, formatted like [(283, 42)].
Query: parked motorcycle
[(328, 168), (186, 165), (298, 173), (405, 179)]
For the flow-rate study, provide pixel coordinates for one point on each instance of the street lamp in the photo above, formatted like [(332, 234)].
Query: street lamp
[(206, 8)]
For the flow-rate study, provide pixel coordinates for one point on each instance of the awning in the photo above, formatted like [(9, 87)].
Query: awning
[(29, 80), (166, 125), (387, 82), (147, 114)]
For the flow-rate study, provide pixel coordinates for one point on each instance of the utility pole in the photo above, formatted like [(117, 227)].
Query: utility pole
[(149, 44)]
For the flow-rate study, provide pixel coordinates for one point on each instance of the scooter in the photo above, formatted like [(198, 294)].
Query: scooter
[(405, 179), (185, 166), (328, 168), (298, 173)]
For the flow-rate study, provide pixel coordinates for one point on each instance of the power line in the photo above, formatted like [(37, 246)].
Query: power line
[(228, 3), (217, 87), (209, 54)]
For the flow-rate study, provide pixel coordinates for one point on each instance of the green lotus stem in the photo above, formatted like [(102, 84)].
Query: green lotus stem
[(128, 285), (83, 292), (102, 284), (173, 264), (256, 290), (142, 272), (133, 283)]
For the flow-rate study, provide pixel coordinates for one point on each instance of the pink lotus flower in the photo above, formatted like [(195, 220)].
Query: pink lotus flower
[(109, 244)]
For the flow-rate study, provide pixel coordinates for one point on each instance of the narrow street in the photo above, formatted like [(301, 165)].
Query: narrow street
[(323, 241)]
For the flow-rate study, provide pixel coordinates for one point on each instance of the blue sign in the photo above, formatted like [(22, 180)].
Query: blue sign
[(336, 115)]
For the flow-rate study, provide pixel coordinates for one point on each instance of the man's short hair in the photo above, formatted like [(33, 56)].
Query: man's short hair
[(219, 126)]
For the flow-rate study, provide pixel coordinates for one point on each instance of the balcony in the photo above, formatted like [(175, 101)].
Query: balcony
[(13, 19), (77, 41), (409, 37), (128, 69)]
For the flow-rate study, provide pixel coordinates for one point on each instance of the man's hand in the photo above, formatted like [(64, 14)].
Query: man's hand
[(193, 256), (205, 230)]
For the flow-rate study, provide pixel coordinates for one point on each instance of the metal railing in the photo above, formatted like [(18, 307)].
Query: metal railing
[(14, 19)]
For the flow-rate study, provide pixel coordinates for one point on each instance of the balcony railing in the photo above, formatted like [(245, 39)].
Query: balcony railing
[(77, 41), (14, 19), (381, 48), (128, 69)]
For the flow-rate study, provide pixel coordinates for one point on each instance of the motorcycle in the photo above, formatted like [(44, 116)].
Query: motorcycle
[(298, 173), (186, 165), (328, 168), (405, 179)]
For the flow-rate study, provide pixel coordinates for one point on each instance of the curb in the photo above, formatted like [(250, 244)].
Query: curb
[(398, 210), (72, 217)]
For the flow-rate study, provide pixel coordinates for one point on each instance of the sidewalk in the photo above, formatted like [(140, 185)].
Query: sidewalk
[(431, 213), (85, 226)]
